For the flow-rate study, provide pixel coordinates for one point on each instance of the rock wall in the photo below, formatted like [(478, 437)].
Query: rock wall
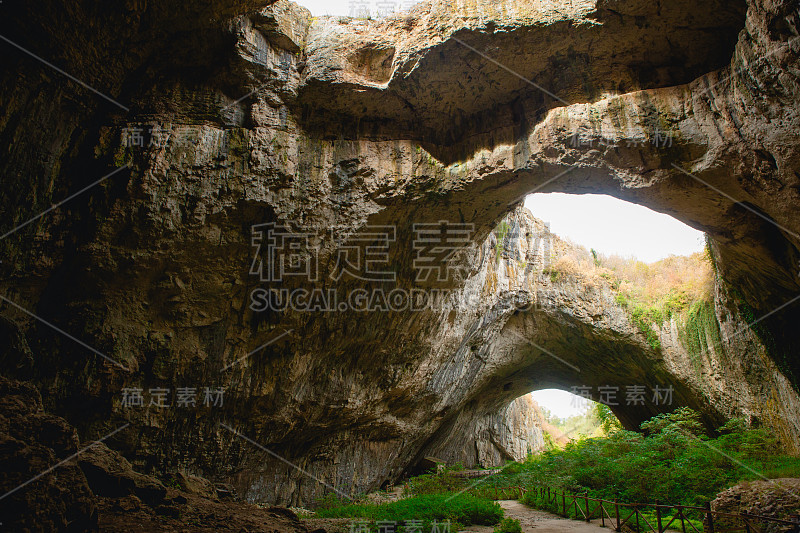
[(511, 434), (216, 121)]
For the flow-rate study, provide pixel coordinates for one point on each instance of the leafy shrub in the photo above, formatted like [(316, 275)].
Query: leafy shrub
[(442, 482), (608, 420), (508, 525), (674, 462), (682, 420)]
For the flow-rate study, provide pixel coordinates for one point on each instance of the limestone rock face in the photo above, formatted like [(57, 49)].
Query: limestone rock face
[(517, 432), (775, 498), (233, 124), (196, 485), (449, 73), (50, 482), (511, 434)]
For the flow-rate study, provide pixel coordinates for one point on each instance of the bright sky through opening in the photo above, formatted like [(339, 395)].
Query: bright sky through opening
[(612, 226), (561, 403)]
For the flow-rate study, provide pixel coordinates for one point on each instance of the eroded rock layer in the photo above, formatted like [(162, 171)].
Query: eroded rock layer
[(215, 122)]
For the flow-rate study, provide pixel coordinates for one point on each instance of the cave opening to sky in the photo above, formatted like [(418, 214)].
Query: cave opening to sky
[(611, 227), (615, 227), (561, 403)]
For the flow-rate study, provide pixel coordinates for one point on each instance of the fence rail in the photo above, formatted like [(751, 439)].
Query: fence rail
[(635, 517)]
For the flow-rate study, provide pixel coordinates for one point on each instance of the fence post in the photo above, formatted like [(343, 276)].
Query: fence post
[(709, 518), (602, 514), (683, 524), (658, 517), (586, 499), (564, 502), (616, 511), (636, 510), (746, 523)]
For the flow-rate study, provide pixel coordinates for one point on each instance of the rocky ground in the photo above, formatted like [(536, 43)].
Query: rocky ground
[(50, 481), (189, 513)]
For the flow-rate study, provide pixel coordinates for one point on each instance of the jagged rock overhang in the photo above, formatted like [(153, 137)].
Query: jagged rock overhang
[(453, 95)]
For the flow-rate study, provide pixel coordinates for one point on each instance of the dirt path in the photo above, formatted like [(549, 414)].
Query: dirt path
[(539, 521)]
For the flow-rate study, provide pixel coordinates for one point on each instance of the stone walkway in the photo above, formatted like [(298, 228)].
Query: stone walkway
[(539, 521)]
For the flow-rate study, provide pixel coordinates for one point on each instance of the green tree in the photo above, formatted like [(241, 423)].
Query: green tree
[(608, 420), (682, 420)]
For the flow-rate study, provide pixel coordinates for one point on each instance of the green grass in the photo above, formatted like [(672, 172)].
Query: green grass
[(440, 482), (508, 525), (459, 509)]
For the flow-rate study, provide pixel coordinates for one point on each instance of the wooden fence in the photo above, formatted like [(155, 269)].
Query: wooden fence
[(662, 517)]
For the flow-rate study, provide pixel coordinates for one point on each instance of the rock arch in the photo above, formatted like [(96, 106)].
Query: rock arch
[(154, 268)]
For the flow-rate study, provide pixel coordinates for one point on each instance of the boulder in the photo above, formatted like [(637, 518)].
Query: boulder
[(196, 485), (775, 498), (111, 475)]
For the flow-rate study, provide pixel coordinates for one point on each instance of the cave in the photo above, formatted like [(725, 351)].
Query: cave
[(166, 167)]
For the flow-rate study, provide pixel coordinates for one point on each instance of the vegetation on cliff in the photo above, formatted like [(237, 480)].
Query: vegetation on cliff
[(587, 423), (654, 293), (678, 287)]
